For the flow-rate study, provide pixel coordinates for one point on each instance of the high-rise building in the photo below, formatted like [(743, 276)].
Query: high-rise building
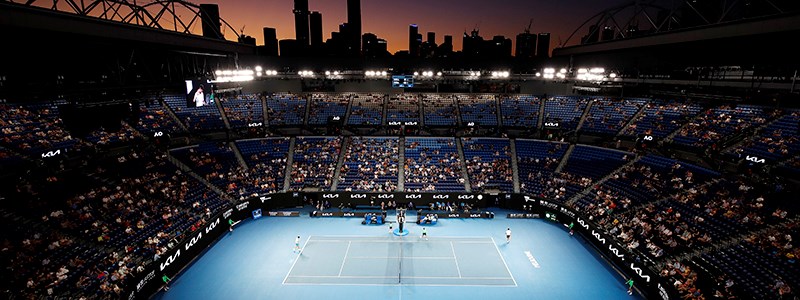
[(543, 45), (374, 46), (446, 48), (210, 21), (526, 45), (354, 23), (316, 30), (498, 47), (270, 42), (247, 40), (472, 44), (301, 23), (431, 38), (413, 40)]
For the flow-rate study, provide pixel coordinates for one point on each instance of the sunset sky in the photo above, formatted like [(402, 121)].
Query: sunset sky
[(390, 19)]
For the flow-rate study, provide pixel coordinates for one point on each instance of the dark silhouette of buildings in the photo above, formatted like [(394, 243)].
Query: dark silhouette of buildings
[(428, 48), (211, 23), (498, 47), (354, 26), (446, 48), (270, 47), (291, 48), (543, 45), (247, 40), (526, 45), (301, 23), (414, 40), (374, 46), (472, 44), (316, 31)]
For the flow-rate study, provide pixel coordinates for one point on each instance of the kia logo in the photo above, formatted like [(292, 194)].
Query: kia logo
[(51, 153), (170, 260), (329, 196), (755, 159)]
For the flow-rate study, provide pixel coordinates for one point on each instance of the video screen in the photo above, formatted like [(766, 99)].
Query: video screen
[(402, 81), (199, 93)]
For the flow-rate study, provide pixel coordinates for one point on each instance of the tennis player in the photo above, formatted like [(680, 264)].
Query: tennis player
[(424, 233), (508, 235), (297, 244)]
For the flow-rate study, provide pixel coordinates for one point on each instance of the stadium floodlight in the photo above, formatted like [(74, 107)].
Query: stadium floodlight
[(562, 71), (582, 71), (538, 74), (383, 73), (549, 70), (439, 74), (369, 73), (612, 75), (259, 74), (597, 70), (327, 73), (336, 73), (227, 72), (416, 73), (561, 75), (218, 72), (259, 69)]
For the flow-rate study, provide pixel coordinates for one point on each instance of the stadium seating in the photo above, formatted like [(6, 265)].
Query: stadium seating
[(718, 124), (204, 118), (324, 106), (366, 109), (537, 161), (286, 109), (266, 161), (314, 162), (440, 110), (34, 129), (660, 119), (488, 164), (403, 108), (478, 109), (775, 142), (243, 111), (432, 164), (370, 164), (607, 117), (520, 111), (566, 111), (153, 117)]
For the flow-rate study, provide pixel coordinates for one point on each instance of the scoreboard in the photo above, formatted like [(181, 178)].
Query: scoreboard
[(402, 81)]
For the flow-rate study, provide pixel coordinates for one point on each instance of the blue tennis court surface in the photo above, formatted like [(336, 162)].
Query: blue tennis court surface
[(256, 261), (391, 260)]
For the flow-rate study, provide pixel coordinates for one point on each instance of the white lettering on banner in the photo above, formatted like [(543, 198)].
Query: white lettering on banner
[(145, 280), (548, 204), (337, 118), (326, 214), (454, 215), (532, 260), (272, 213), (471, 124), (263, 199), (528, 199), (51, 153), (755, 159), (639, 272), (411, 123), (475, 215), (329, 196), (441, 196), (598, 237), (648, 138), (567, 212), (663, 292), (212, 225), (414, 196), (616, 252), (158, 134), (193, 241), (227, 213), (466, 197), (170, 259), (394, 123), (358, 196), (242, 206), (583, 224), (255, 125), (287, 214), (551, 124), (386, 196), (348, 214)]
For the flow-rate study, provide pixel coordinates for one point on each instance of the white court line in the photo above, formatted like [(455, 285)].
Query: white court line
[(398, 242), (296, 259), (404, 257), (377, 237), (414, 277), (504, 262), (400, 284), (456, 259), (344, 259)]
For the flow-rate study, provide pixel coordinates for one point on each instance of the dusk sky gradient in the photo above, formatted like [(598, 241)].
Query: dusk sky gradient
[(390, 19)]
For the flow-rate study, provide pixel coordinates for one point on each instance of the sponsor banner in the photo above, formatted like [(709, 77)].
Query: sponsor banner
[(524, 216), (476, 215), (418, 199), (283, 214), (327, 214)]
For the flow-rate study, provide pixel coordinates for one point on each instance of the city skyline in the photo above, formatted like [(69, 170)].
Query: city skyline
[(391, 22)]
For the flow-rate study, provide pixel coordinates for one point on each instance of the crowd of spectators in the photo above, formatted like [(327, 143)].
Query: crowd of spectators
[(659, 120), (243, 110), (440, 110), (314, 162), (33, 129), (324, 106), (366, 109), (370, 164), (403, 108), (432, 164), (286, 109), (488, 164), (608, 117), (719, 123)]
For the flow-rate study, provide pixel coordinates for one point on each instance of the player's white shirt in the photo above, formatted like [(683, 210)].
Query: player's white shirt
[(508, 232)]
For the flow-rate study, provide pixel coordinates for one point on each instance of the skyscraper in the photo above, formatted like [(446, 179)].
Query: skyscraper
[(543, 47), (432, 38), (354, 23), (301, 23), (413, 42), (270, 42), (526, 45), (316, 30)]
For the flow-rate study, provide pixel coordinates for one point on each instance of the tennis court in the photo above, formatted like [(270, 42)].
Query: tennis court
[(409, 260)]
